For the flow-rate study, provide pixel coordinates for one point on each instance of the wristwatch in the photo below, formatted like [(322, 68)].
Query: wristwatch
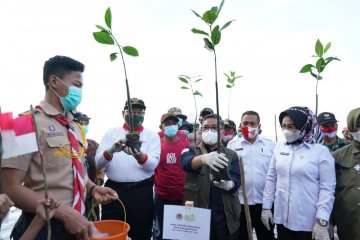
[(322, 222)]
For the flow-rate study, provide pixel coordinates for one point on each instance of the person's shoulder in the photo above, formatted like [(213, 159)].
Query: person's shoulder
[(234, 142), (342, 151), (267, 141)]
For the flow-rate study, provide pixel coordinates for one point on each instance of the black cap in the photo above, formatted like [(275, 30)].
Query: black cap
[(206, 111), (135, 102), (230, 123), (168, 116), (188, 125), (326, 117)]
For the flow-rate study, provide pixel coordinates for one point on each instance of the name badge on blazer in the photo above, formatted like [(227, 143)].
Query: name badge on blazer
[(239, 149), (284, 153)]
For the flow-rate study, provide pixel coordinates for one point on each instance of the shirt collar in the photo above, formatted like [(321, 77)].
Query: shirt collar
[(258, 139), (138, 129), (51, 110)]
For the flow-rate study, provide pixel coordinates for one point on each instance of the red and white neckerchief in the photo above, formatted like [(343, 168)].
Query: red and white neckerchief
[(79, 174)]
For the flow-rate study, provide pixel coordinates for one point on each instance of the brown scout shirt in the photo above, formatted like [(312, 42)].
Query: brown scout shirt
[(58, 167)]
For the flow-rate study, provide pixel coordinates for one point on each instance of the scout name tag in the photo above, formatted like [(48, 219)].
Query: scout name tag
[(186, 223)]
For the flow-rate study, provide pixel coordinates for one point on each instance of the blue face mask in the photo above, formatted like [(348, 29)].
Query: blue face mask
[(186, 132), (86, 129), (171, 130), (180, 123), (239, 134), (73, 99)]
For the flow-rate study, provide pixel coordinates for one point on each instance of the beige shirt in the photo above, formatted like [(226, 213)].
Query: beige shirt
[(58, 166)]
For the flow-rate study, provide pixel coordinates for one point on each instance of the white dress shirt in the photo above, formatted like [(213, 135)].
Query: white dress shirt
[(256, 158), (301, 184), (124, 167)]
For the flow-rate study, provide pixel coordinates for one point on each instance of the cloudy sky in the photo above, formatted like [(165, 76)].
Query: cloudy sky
[(267, 44)]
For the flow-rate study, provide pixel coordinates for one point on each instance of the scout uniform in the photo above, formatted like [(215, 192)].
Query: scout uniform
[(57, 159), (337, 145)]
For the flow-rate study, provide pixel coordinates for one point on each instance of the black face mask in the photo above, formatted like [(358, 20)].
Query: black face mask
[(137, 120)]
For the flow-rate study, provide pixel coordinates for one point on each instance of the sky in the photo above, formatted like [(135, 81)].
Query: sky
[(267, 44)]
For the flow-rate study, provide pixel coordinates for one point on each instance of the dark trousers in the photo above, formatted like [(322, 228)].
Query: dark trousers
[(261, 231), (58, 231), (223, 234), (159, 211), (139, 204), (287, 234)]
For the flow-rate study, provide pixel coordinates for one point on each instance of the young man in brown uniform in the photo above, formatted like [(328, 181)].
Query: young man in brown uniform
[(63, 143), (346, 210)]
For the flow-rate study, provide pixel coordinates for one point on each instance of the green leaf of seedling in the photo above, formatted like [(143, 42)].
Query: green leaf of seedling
[(220, 7), (232, 74), (209, 16), (215, 35), (103, 38), (129, 50), (101, 28), (226, 25), (238, 77), (330, 59), (306, 68), (319, 49), (208, 44), (320, 65), (183, 87), (231, 80), (183, 79), (313, 74), (196, 14), (198, 31), (198, 80), (108, 17), (319, 77), (113, 56), (327, 47), (227, 75), (228, 86), (197, 93)]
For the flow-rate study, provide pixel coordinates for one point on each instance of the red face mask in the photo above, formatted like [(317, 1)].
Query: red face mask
[(328, 130), (249, 132)]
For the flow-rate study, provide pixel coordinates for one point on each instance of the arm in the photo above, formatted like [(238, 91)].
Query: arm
[(40, 218), (270, 185), (327, 183), (23, 197), (234, 172), (190, 162), (150, 160), (106, 143)]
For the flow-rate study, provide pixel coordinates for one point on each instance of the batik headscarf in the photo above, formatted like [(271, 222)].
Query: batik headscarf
[(314, 136), (352, 125), (303, 121)]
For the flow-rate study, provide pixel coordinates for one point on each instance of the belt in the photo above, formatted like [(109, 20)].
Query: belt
[(130, 185)]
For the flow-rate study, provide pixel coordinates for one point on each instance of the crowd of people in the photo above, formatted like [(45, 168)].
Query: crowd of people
[(296, 189)]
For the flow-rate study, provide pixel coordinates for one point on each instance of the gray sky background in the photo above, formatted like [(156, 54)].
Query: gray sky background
[(267, 44)]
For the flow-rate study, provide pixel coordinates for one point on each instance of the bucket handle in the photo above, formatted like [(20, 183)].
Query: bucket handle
[(97, 203)]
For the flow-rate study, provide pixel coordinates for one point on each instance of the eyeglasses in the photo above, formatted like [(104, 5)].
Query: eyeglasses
[(139, 113), (252, 124), (289, 126), (211, 128)]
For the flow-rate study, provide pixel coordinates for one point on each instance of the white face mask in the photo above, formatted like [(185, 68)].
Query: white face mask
[(291, 136), (209, 137), (356, 136), (329, 135)]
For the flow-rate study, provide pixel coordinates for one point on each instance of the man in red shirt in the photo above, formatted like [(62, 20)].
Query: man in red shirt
[(169, 176)]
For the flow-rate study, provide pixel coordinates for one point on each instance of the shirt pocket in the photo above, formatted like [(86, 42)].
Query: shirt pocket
[(266, 152), (53, 155)]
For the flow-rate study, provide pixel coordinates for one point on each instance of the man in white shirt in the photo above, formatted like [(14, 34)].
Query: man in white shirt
[(256, 153), (130, 171)]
